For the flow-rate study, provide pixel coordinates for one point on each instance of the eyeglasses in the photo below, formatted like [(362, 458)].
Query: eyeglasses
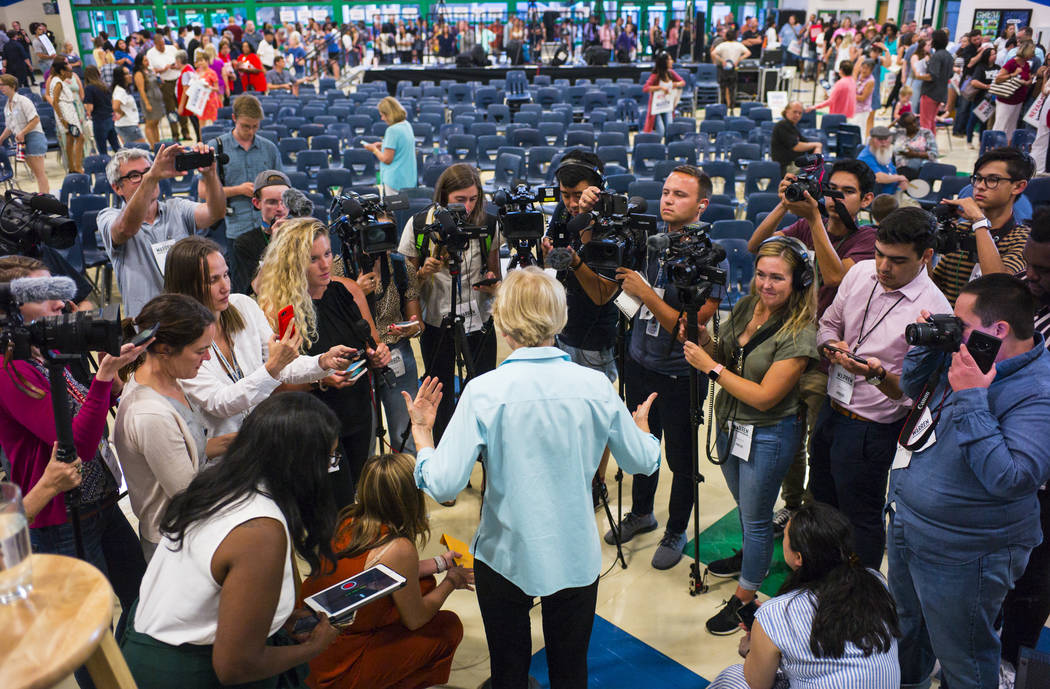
[(135, 176), (991, 181)]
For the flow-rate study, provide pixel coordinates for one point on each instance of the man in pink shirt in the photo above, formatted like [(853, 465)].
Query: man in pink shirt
[(843, 97), (855, 437)]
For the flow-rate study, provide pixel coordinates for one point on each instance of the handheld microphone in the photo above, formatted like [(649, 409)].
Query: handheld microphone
[(298, 205), (360, 326), (26, 290), (560, 258)]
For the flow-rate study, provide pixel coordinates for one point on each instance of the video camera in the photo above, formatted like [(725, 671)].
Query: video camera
[(691, 259), (28, 220), (618, 235), (361, 222), (519, 218), (953, 234), (451, 230)]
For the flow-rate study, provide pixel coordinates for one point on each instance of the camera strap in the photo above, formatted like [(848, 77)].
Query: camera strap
[(919, 410)]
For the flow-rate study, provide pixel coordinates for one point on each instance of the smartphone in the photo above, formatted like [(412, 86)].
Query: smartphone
[(305, 624), (341, 600), (747, 614), (849, 354), (983, 348), (284, 317), (406, 324), (357, 367), (144, 336), (487, 282)]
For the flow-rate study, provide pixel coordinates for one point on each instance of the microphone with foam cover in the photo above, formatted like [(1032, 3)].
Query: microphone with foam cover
[(560, 258), (658, 242), (636, 204), (297, 203), (46, 203), (27, 290), (579, 223)]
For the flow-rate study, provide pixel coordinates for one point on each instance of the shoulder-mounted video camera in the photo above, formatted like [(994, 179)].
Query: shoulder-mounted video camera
[(519, 218), (619, 230), (691, 261), (29, 220), (365, 222)]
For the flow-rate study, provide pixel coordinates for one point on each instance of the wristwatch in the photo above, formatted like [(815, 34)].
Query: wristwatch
[(716, 371), (877, 379), (981, 224)]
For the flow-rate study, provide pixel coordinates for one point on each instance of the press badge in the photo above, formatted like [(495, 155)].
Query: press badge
[(840, 384), (652, 328), (742, 434), (397, 363), (902, 458), (160, 252)]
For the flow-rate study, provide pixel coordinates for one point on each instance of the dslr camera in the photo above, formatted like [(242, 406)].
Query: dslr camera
[(365, 223), (29, 220), (942, 331), (953, 234), (810, 178), (619, 234), (691, 261), (520, 220)]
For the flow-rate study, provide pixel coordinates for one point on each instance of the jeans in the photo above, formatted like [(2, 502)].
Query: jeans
[(754, 484), (394, 410), (948, 609), (1028, 605), (963, 108), (812, 389), (849, 469), (437, 345), (603, 360), (568, 616), (972, 122), (669, 420), (105, 133), (661, 122)]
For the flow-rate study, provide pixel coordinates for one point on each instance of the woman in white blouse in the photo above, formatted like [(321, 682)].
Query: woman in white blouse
[(248, 361)]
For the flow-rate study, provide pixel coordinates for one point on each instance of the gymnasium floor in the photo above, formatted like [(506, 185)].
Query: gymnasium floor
[(649, 630)]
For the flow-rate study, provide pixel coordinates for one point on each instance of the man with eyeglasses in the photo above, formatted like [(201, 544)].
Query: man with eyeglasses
[(138, 235), (1000, 177), (838, 243)]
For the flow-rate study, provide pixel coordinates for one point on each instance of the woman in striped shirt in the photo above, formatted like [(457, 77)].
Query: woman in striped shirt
[(834, 623)]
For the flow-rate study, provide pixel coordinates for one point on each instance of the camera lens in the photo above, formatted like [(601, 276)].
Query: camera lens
[(918, 334)]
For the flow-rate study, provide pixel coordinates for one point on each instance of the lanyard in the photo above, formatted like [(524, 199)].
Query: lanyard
[(234, 370), (864, 335), (916, 413)]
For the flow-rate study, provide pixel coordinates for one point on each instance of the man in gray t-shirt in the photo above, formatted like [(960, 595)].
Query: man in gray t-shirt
[(138, 236)]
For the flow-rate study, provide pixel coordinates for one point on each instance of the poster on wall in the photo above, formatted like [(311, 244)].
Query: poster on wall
[(987, 22), (1018, 17)]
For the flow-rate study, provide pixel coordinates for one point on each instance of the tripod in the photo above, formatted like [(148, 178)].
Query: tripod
[(67, 451), (614, 527), (692, 304)]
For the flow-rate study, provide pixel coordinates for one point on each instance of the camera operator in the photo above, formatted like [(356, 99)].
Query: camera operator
[(655, 365), (250, 155), (537, 535), (459, 184), (138, 235), (999, 178), (248, 248), (855, 436), (838, 244), (589, 336), (963, 509), (1027, 605)]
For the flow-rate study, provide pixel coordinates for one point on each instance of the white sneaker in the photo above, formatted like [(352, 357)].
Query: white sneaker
[(1007, 674)]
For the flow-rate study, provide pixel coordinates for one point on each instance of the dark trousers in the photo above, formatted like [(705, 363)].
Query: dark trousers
[(354, 448), (171, 104), (568, 616), (849, 466), (963, 107), (438, 348), (668, 419), (105, 133), (1028, 605)]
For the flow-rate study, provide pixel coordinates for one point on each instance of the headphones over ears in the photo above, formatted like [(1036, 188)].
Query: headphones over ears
[(802, 276), (577, 163)]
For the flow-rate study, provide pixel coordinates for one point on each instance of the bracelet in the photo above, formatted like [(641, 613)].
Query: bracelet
[(704, 344), (321, 386), (439, 561)]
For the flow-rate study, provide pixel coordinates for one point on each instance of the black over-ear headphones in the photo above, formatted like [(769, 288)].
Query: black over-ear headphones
[(802, 277), (576, 162)]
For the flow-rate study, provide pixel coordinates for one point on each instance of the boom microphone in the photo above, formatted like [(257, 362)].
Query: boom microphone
[(298, 205), (26, 290)]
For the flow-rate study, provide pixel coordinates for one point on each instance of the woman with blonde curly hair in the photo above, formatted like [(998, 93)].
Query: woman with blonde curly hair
[(296, 271)]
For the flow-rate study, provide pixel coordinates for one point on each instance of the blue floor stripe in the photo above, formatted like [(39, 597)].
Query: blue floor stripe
[(617, 659)]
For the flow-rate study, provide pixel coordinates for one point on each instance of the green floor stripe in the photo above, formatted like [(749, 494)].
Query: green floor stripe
[(721, 538)]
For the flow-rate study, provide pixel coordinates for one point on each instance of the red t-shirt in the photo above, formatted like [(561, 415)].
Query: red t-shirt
[(253, 82)]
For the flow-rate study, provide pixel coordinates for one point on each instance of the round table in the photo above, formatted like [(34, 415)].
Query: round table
[(63, 624)]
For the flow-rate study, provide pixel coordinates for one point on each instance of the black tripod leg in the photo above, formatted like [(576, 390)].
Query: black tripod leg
[(614, 527), (696, 580)]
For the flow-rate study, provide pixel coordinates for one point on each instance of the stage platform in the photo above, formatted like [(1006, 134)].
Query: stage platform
[(417, 73)]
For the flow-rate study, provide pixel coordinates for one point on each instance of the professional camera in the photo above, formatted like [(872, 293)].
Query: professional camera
[(691, 261), (361, 221), (621, 228), (952, 233), (451, 230), (942, 332), (810, 178), (519, 218), (68, 333), (28, 220)]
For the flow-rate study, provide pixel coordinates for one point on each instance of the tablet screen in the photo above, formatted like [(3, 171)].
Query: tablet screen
[(354, 590)]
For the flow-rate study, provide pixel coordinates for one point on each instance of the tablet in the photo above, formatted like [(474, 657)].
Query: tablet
[(340, 601)]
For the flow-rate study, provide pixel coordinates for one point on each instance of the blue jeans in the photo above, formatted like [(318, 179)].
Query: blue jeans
[(963, 108), (393, 404), (948, 610), (754, 485), (662, 121), (603, 360), (105, 133)]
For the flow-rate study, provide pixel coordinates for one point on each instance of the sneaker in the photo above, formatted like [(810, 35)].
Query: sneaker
[(669, 552), (631, 526), (727, 567), (780, 520), (726, 621)]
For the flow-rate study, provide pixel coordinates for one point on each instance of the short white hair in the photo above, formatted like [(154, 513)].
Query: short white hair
[(124, 155), (530, 306)]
